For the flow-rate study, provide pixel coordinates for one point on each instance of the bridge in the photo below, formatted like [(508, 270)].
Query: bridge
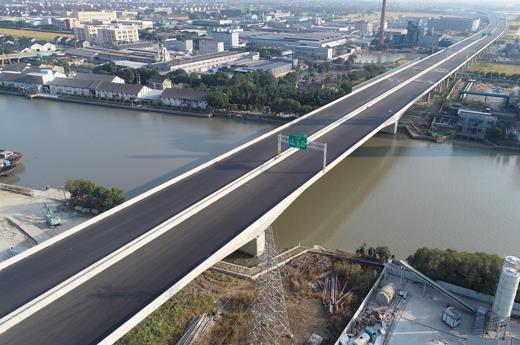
[(93, 283)]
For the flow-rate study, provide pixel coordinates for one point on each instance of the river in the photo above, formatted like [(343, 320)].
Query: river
[(392, 191)]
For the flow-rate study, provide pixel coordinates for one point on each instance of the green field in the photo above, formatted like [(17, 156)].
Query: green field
[(40, 35), (495, 67)]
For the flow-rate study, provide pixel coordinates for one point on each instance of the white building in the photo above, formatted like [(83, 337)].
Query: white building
[(73, 87), (123, 92), (46, 47), (202, 63), (107, 34), (210, 46), (185, 98)]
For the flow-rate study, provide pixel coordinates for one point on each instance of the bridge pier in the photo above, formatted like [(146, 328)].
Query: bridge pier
[(256, 246), (391, 129)]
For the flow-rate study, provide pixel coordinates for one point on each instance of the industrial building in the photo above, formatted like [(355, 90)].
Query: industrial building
[(314, 44), (278, 67), (230, 37), (202, 63), (474, 124), (210, 46), (179, 45), (454, 24)]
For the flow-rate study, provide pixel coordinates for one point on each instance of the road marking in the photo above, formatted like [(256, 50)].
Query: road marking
[(61, 289)]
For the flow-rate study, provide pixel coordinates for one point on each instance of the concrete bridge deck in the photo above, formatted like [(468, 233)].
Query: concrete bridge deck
[(94, 284)]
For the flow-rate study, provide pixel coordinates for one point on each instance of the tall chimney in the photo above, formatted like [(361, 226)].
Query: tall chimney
[(382, 26)]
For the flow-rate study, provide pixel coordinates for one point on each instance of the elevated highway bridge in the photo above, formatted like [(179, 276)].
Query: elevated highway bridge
[(95, 282)]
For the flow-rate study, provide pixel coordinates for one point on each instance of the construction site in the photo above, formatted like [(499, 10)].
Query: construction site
[(407, 308)]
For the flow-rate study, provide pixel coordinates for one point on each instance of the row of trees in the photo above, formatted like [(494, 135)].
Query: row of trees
[(378, 254), (257, 91), (86, 193), (476, 271), (128, 74)]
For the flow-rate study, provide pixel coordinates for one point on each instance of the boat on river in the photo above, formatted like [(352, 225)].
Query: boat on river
[(13, 157), (6, 167)]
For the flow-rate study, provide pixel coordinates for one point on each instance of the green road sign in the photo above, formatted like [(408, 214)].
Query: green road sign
[(298, 141)]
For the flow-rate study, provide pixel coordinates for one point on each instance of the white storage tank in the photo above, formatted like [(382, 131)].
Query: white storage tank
[(363, 339), (512, 261), (506, 292), (386, 294)]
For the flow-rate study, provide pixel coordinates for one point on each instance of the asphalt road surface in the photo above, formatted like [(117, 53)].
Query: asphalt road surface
[(90, 312)]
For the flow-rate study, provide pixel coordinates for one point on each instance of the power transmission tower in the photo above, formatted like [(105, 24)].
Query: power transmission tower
[(270, 318)]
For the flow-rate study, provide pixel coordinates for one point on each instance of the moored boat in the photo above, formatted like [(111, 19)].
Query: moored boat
[(6, 167), (13, 157)]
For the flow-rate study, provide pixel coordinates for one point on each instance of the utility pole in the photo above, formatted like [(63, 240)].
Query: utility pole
[(270, 317)]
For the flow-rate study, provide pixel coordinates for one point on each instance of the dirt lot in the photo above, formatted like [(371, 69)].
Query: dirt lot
[(234, 297)]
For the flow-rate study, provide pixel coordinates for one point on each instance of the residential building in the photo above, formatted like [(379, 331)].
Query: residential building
[(112, 35), (89, 16), (185, 98), (73, 87), (474, 124), (107, 34), (159, 82), (454, 24), (65, 24), (99, 77), (85, 33), (25, 81), (210, 46), (123, 92)]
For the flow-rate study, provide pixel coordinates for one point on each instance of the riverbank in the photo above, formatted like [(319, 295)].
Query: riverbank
[(22, 217), (236, 115)]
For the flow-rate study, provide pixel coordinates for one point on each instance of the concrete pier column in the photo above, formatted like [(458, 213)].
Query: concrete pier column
[(256, 246), (391, 129)]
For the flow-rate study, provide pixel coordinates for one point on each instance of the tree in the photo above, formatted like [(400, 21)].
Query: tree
[(346, 87), (476, 271), (218, 99), (87, 194), (127, 74)]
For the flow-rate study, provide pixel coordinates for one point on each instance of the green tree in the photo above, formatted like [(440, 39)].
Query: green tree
[(218, 99), (127, 74)]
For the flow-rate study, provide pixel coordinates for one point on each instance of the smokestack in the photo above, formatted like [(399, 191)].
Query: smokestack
[(382, 25)]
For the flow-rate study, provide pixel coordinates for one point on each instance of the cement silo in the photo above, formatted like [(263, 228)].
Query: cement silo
[(506, 292), (512, 261)]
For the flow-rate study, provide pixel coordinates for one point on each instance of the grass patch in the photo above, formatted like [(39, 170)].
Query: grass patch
[(495, 67), (40, 35), (166, 325)]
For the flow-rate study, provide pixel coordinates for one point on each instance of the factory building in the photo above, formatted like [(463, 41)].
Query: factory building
[(454, 24), (229, 37), (210, 46), (317, 44), (202, 63)]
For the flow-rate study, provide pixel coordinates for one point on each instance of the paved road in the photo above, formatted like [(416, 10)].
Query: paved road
[(90, 312)]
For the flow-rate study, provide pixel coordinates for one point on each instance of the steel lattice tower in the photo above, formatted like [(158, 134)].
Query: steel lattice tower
[(270, 318)]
